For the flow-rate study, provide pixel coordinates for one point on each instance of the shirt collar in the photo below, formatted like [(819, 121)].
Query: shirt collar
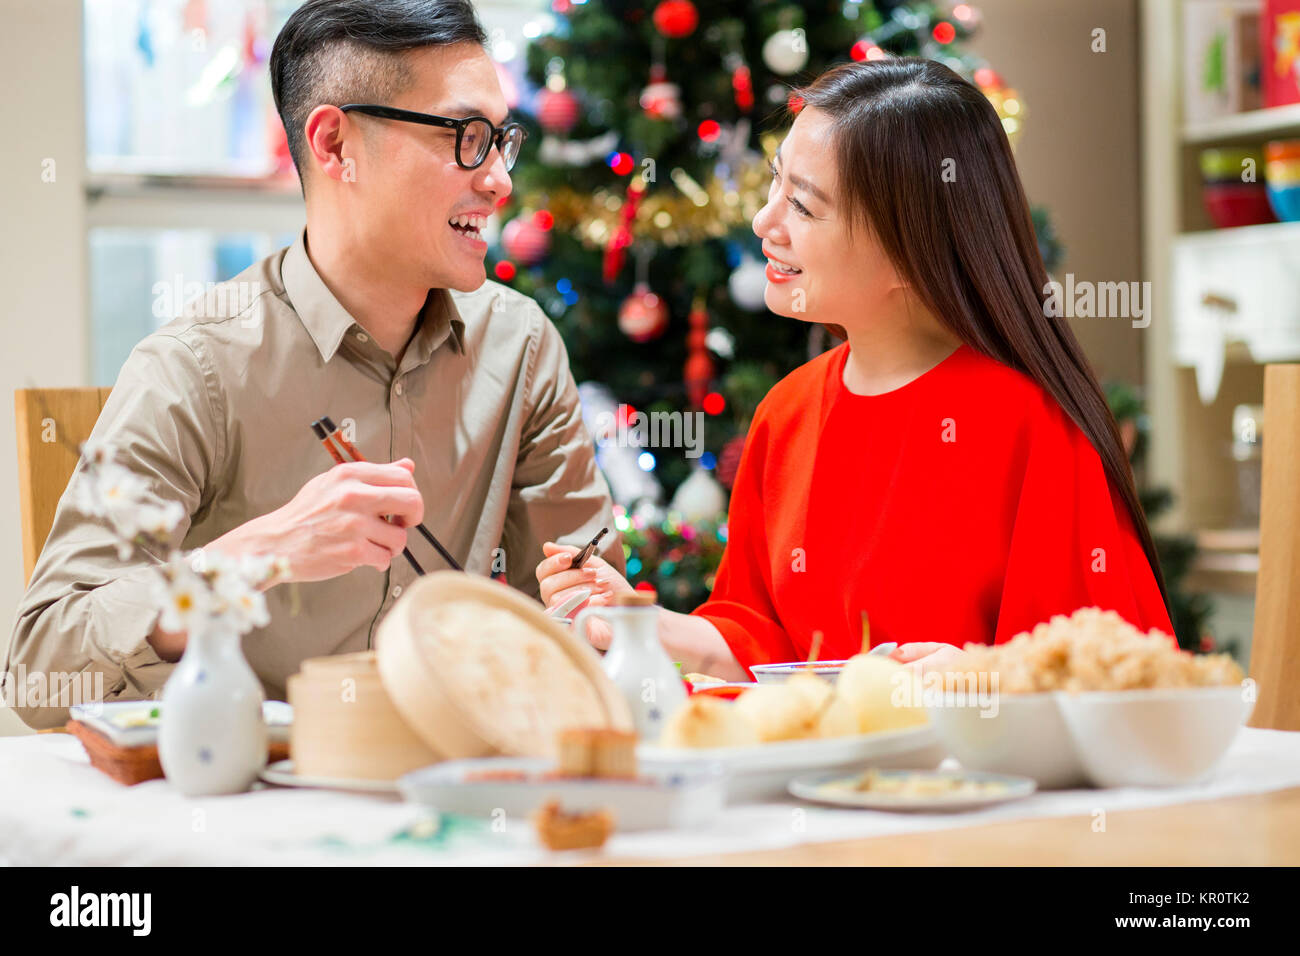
[(327, 322)]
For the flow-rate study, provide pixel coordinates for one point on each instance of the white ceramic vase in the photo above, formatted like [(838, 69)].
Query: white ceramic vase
[(637, 663), (213, 736)]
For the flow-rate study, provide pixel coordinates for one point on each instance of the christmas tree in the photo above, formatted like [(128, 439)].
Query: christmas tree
[(1189, 611), (630, 225)]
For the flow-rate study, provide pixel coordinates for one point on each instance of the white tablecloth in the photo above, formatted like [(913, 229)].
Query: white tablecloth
[(57, 809)]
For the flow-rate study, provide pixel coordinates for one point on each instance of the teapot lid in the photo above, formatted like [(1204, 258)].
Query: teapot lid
[(642, 598)]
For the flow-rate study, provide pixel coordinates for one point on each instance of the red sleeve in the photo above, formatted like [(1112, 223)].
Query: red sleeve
[(1074, 543), (741, 603)]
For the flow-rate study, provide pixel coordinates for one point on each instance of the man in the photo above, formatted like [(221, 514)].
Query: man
[(464, 396)]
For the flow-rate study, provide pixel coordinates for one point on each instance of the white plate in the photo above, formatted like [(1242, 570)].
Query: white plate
[(763, 772), (103, 717), (281, 774), (663, 799), (813, 789)]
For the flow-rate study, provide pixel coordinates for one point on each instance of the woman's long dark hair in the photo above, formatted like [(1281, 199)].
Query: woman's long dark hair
[(964, 242)]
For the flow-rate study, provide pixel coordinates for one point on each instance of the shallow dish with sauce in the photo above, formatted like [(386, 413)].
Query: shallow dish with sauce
[(916, 791)]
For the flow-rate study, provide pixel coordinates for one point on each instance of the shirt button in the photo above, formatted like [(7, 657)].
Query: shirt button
[(398, 388), (362, 337), (397, 590)]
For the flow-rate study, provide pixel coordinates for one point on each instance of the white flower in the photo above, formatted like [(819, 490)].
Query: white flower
[(113, 493), (184, 597), (159, 521), (239, 601), (97, 452), (260, 568), (83, 494)]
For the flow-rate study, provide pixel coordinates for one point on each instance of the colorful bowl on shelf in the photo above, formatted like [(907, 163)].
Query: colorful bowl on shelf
[(1282, 175), (1281, 150), (1282, 172), (1237, 204), (1227, 165), (1285, 201)]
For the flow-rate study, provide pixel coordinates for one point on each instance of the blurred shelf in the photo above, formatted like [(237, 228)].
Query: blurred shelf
[(219, 203), (1227, 561), (1229, 540), (1243, 235), (1278, 121), (126, 185)]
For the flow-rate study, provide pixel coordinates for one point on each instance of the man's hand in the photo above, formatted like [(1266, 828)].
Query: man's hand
[(336, 522)]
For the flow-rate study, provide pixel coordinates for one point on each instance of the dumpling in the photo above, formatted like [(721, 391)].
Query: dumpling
[(883, 694), (704, 722)]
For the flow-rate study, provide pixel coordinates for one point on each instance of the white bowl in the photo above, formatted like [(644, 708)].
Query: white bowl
[(1019, 734), (1153, 738), (780, 673)]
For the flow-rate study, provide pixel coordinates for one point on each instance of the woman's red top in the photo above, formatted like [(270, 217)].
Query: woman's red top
[(964, 506)]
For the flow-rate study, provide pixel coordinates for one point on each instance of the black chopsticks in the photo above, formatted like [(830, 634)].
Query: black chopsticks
[(581, 557), (328, 433)]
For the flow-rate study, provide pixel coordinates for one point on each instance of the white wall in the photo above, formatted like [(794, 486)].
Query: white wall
[(42, 241), (1079, 153)]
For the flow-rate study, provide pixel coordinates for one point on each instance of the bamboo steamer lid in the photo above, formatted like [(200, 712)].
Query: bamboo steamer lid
[(345, 725), (476, 669)]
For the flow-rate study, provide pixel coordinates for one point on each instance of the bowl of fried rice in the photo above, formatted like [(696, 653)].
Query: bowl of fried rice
[(1089, 698)]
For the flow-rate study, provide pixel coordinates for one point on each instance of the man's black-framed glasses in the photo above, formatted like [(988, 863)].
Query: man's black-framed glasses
[(475, 135)]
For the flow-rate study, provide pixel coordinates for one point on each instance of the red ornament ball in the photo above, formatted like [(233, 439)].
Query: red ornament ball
[(621, 163), (944, 32), (676, 18), (543, 219), (714, 404), (864, 49), (524, 241), (504, 270), (710, 130), (643, 315), (557, 110), (661, 99)]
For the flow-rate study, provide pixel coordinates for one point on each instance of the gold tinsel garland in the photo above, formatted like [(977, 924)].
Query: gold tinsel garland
[(691, 213), (685, 214)]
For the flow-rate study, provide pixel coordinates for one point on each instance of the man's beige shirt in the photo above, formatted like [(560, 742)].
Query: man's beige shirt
[(214, 410)]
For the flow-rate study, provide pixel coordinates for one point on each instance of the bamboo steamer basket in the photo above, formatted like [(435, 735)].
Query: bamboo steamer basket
[(425, 674), (345, 725)]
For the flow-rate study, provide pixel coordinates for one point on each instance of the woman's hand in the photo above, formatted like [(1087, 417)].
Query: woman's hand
[(922, 656), (559, 583)]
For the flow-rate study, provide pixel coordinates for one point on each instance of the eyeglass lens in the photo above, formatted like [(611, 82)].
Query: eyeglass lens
[(476, 141)]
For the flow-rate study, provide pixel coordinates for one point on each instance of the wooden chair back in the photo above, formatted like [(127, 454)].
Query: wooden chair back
[(50, 423), (1275, 644)]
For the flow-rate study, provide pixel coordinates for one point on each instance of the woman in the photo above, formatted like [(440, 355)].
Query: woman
[(953, 469)]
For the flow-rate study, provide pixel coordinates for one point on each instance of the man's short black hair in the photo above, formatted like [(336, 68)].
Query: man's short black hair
[(349, 51)]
